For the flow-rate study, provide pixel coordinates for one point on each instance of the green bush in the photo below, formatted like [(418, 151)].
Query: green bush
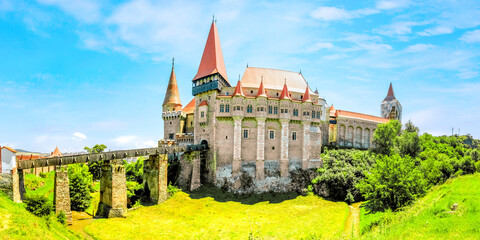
[(134, 170), (62, 218), (393, 183), (341, 171), (33, 183), (43, 175), (38, 205), (80, 186), (172, 189), (134, 193)]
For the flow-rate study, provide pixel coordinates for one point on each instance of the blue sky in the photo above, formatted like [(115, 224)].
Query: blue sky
[(75, 73)]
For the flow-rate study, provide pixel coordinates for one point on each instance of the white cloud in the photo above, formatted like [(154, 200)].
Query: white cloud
[(123, 140), (87, 11), (375, 47), (6, 5), (338, 14), (436, 31), (320, 45), (331, 14), (471, 36), (79, 136), (419, 47), (398, 28), (391, 4)]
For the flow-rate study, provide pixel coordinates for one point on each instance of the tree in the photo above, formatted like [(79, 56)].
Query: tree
[(408, 143), (94, 167), (393, 183), (80, 186), (385, 136)]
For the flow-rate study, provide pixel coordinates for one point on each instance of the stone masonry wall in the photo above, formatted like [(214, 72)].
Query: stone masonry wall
[(61, 199)]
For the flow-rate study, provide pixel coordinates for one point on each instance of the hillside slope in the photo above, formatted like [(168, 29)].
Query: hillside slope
[(435, 215), (18, 223)]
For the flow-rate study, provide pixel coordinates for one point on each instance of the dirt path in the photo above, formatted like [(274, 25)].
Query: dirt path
[(352, 224), (80, 221)]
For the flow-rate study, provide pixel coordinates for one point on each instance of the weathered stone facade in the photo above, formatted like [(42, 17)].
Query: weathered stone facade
[(12, 184), (113, 190), (155, 177), (61, 197)]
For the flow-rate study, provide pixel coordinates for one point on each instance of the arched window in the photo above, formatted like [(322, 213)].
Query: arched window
[(249, 109), (222, 107)]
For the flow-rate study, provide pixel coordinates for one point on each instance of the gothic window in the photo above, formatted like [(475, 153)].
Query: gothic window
[(294, 136), (271, 134), (270, 109), (202, 114), (249, 109), (286, 110), (295, 112), (245, 133), (261, 109), (281, 110), (304, 113), (318, 115), (227, 93), (227, 107), (275, 110), (313, 114), (222, 107)]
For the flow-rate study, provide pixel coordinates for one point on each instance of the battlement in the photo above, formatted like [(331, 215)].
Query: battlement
[(173, 114)]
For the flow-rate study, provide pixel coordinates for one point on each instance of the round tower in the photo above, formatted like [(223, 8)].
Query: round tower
[(172, 97), (391, 107)]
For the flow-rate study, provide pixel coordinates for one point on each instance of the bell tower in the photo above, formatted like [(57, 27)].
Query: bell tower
[(391, 107)]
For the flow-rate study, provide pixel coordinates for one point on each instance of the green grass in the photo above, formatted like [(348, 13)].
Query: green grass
[(431, 217), (46, 184), (210, 214), (18, 223)]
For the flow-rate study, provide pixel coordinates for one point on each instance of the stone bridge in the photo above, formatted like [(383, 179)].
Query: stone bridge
[(113, 189)]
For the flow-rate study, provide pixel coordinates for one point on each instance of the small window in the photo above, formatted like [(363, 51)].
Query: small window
[(226, 137), (294, 136), (208, 97), (286, 110), (249, 109), (275, 110), (277, 94), (318, 115), (270, 109), (313, 114), (245, 133), (227, 93), (227, 107), (202, 114), (301, 96), (261, 109), (272, 134), (304, 113), (251, 91), (222, 108), (170, 136), (281, 110)]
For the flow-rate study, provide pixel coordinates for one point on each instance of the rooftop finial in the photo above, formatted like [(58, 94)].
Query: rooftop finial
[(238, 77), (213, 18), (173, 62), (247, 64), (300, 71)]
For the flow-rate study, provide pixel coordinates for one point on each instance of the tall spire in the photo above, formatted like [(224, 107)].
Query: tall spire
[(306, 96), (285, 94), (238, 89), (172, 97), (316, 90), (212, 58), (390, 95), (261, 90)]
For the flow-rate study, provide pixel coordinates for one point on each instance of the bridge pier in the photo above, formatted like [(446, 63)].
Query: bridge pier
[(196, 172), (113, 190), (155, 177), (13, 185), (61, 199)]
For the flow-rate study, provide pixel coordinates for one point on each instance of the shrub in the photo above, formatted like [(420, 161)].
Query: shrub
[(134, 193), (134, 170), (43, 175), (33, 183), (80, 186), (38, 205), (393, 183), (62, 218), (172, 189), (477, 166)]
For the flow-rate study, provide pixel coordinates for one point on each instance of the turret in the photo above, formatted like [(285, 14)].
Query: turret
[(211, 74), (172, 97), (391, 107)]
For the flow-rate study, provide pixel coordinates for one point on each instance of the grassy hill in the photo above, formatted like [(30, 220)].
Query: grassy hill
[(433, 216), (209, 214), (18, 223)]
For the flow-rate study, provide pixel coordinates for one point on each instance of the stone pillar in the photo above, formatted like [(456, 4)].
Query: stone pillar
[(155, 177), (237, 146), (195, 183), (61, 193), (284, 148), (260, 164), (306, 145), (12, 184), (113, 190)]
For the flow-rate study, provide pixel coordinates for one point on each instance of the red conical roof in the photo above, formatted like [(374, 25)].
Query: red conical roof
[(56, 152), (332, 111), (261, 90), (172, 97), (390, 95), (285, 94), (306, 96), (212, 58), (238, 89)]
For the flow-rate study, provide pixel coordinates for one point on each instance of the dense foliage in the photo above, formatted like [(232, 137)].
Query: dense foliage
[(39, 205), (134, 175), (408, 165), (341, 171), (94, 167), (80, 186)]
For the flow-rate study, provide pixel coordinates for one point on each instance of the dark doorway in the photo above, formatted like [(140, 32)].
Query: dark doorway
[(203, 165)]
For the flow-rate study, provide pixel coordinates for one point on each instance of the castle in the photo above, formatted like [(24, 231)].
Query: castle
[(268, 125)]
